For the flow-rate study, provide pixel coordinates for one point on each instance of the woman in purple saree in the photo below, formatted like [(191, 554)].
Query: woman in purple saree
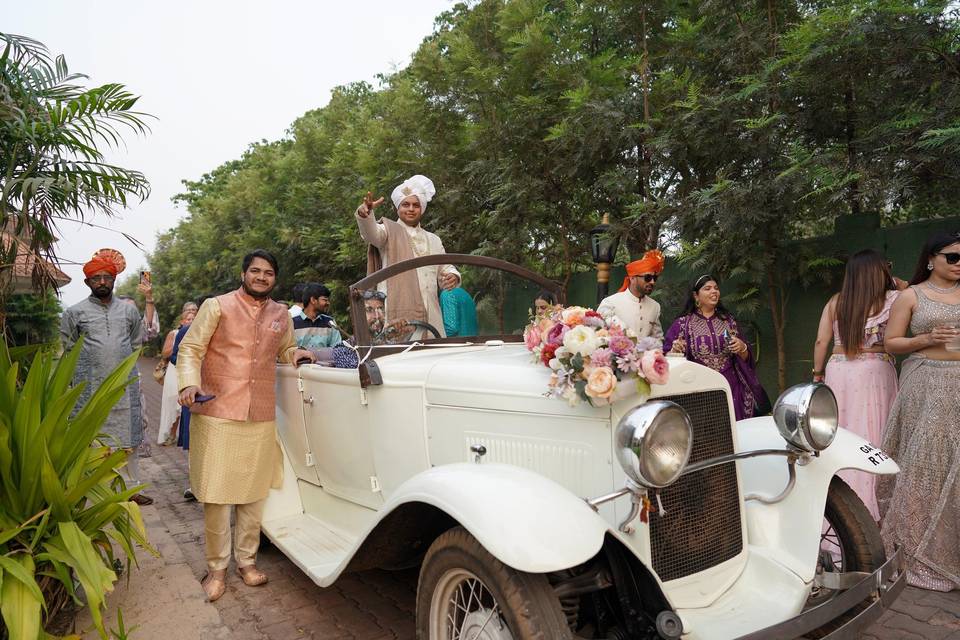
[(708, 334)]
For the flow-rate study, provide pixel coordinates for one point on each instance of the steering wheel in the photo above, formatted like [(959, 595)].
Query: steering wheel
[(424, 325), (393, 330)]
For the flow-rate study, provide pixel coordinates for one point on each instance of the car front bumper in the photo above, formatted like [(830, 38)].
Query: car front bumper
[(878, 589), (763, 602)]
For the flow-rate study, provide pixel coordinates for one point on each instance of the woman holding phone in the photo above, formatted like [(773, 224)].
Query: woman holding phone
[(707, 333), (921, 505)]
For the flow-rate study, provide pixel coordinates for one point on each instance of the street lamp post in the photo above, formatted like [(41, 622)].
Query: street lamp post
[(603, 248)]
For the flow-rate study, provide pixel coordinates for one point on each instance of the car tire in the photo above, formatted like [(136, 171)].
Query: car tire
[(528, 606), (859, 538)]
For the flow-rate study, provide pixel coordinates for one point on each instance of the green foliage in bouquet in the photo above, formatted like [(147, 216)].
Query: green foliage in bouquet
[(64, 508)]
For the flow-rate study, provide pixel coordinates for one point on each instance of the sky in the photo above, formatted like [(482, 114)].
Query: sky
[(217, 76)]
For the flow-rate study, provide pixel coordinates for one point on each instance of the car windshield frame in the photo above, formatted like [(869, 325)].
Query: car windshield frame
[(361, 331)]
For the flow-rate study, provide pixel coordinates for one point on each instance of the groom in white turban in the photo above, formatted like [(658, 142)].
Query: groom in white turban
[(410, 296)]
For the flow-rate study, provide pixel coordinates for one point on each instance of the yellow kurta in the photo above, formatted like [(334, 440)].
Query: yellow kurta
[(231, 461)]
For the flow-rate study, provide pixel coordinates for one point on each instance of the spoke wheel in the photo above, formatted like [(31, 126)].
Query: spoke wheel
[(465, 593), (849, 541), (463, 607)]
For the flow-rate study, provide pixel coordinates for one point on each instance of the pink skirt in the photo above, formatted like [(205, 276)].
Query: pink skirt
[(865, 388)]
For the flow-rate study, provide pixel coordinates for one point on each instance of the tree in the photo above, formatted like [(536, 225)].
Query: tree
[(52, 167), (731, 132), (32, 318)]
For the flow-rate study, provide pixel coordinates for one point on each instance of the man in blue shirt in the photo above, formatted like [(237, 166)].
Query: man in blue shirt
[(459, 312), (312, 328)]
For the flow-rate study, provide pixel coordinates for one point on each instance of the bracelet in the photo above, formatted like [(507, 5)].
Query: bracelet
[(816, 373)]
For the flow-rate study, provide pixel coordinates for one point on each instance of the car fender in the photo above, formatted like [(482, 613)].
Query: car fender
[(525, 520), (791, 527)]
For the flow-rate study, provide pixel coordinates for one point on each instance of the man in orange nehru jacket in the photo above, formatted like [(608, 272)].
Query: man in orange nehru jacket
[(227, 370), (632, 305)]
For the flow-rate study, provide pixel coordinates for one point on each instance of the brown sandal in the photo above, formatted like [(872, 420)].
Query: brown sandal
[(252, 577), (214, 584)]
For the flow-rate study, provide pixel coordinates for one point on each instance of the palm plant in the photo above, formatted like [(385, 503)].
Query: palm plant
[(64, 508), (52, 167)]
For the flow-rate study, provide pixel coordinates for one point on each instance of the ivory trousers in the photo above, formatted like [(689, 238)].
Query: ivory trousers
[(216, 519)]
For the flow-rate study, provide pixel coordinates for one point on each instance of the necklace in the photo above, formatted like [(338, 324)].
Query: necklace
[(943, 289)]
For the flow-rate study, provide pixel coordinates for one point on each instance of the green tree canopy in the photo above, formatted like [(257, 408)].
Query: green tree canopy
[(725, 130)]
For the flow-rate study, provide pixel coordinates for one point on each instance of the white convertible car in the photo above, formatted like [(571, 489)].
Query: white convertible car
[(525, 514)]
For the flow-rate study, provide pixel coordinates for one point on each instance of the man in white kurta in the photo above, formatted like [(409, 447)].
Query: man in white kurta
[(405, 239), (632, 305)]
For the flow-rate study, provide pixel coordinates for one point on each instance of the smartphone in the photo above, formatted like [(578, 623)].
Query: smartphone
[(145, 277), (204, 398)]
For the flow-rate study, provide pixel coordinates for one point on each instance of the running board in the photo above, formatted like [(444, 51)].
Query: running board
[(311, 544)]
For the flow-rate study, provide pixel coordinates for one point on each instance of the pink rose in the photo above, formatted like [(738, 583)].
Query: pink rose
[(531, 338), (573, 316), (655, 367), (601, 383), (555, 335)]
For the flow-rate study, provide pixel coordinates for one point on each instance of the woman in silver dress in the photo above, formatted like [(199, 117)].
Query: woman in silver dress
[(921, 505)]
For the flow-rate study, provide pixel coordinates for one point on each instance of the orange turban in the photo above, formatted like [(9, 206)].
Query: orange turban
[(651, 262), (109, 260)]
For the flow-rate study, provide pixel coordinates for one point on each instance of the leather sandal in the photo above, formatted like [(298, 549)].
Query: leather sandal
[(252, 577), (141, 499), (214, 584)]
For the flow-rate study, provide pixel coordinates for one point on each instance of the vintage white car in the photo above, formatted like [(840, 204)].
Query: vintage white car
[(524, 513)]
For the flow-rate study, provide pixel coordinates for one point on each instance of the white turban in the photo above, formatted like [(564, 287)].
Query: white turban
[(420, 186)]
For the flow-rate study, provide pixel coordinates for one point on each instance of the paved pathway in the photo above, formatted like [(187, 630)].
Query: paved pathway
[(165, 599)]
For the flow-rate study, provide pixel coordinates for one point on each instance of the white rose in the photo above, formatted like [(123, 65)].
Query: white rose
[(582, 340)]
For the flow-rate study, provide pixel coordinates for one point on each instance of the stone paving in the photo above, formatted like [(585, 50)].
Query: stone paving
[(373, 605)]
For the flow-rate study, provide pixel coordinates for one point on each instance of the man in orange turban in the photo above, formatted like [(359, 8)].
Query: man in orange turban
[(99, 264), (632, 304), (111, 329)]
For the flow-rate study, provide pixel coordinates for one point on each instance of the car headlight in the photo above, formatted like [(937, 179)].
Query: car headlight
[(653, 443), (807, 416)]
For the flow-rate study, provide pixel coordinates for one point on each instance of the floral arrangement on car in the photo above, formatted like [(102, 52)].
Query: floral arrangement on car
[(594, 358)]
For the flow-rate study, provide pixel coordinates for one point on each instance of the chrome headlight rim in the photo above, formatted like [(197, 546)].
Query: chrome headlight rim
[(637, 445), (807, 416)]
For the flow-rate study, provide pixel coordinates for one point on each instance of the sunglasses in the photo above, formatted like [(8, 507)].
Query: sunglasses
[(648, 277), (378, 295), (951, 258)]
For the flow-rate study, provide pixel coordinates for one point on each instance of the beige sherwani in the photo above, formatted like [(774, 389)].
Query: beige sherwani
[(231, 351), (422, 243), (641, 315), (233, 444)]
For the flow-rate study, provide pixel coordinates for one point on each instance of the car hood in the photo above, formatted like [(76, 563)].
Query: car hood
[(497, 377)]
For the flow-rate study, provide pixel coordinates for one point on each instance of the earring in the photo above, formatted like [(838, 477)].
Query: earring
[(697, 303), (929, 266)]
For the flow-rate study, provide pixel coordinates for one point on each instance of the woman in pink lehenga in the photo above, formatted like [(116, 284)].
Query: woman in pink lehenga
[(860, 372)]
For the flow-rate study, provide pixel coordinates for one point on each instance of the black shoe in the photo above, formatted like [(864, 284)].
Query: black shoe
[(142, 499), (188, 495)]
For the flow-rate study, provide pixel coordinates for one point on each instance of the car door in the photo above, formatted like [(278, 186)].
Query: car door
[(339, 433), (290, 424)]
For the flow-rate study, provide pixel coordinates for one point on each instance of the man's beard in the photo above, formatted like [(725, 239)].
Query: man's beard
[(376, 327), (101, 292), (259, 295)]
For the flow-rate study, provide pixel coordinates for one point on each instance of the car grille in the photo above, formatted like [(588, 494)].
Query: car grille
[(701, 526)]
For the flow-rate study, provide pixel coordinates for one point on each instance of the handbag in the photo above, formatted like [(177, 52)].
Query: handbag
[(160, 371)]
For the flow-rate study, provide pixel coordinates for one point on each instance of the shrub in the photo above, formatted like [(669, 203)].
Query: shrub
[(64, 508)]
